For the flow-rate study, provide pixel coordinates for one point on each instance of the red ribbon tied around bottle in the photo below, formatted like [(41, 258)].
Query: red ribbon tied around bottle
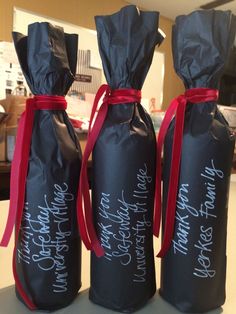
[(177, 108), (19, 170), (84, 213)]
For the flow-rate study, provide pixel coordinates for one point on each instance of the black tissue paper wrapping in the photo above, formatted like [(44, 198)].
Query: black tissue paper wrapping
[(124, 167), (48, 250), (193, 271)]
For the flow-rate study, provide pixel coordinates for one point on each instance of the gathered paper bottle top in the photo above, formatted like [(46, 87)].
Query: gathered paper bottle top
[(201, 44), (127, 40), (48, 63)]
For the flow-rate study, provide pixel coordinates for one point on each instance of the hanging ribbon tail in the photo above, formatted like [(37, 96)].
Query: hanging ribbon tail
[(96, 247), (14, 192), (85, 216), (103, 89), (160, 142), (19, 170), (174, 177), (80, 213), (19, 166), (194, 95)]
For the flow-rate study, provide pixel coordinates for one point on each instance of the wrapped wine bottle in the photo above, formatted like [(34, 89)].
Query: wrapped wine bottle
[(44, 172), (122, 140), (198, 151)]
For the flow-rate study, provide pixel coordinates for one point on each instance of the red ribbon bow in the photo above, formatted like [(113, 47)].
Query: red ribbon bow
[(19, 169), (177, 108), (85, 217)]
